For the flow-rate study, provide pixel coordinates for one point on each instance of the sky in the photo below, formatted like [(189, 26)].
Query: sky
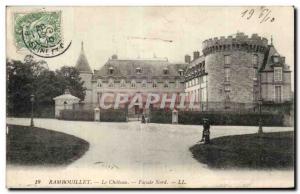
[(147, 32)]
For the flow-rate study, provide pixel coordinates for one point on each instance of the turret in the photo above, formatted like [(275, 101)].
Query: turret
[(86, 73)]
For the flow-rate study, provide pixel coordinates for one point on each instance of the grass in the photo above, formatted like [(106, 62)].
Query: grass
[(265, 151), (37, 146)]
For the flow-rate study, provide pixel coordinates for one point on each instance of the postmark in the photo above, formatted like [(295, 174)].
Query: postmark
[(40, 33)]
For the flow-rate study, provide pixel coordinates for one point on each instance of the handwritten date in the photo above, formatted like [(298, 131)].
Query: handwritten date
[(263, 14)]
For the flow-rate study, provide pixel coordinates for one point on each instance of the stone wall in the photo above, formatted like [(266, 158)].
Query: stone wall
[(241, 82)]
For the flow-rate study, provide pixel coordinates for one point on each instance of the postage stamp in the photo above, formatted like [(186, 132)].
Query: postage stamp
[(40, 33)]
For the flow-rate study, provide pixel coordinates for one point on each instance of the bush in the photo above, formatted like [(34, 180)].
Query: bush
[(78, 115), (113, 115)]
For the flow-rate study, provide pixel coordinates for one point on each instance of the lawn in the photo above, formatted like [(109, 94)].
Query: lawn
[(37, 146), (265, 151)]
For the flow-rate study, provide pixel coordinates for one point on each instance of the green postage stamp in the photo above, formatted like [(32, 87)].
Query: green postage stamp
[(40, 33)]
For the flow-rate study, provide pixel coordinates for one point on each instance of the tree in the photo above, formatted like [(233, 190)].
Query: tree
[(19, 87), (33, 77), (70, 79)]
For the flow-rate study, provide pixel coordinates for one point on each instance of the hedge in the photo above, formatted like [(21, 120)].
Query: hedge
[(160, 116), (109, 115), (231, 118), (77, 115), (218, 118), (113, 115)]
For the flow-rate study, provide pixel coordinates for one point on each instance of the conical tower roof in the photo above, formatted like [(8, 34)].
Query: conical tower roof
[(82, 63)]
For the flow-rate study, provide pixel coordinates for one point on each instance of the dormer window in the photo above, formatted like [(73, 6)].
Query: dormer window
[(180, 71), (111, 70), (275, 59), (165, 71), (138, 70)]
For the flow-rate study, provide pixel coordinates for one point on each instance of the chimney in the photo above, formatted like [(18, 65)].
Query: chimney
[(187, 58), (114, 57), (196, 55)]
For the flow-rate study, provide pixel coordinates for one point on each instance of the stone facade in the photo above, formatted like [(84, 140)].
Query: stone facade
[(232, 68), (235, 72), (130, 76)]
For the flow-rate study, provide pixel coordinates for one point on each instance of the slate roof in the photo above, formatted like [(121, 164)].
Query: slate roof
[(268, 62), (150, 69), (82, 63), (66, 96)]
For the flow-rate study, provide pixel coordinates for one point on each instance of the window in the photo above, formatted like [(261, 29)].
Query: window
[(138, 70), (255, 60), (277, 93), (227, 74), (99, 83), (278, 74), (111, 70), (177, 84), (166, 84), (254, 74), (144, 83), (165, 71), (275, 59), (186, 84), (122, 83), (227, 88), (227, 96), (203, 95), (197, 80), (154, 84), (133, 84), (193, 82), (227, 59), (111, 83), (180, 72)]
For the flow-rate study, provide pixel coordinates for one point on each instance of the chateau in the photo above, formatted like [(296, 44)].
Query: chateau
[(234, 72)]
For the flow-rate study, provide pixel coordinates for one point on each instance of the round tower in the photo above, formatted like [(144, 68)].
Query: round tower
[(232, 64)]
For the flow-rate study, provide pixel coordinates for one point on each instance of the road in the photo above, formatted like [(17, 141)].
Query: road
[(136, 152)]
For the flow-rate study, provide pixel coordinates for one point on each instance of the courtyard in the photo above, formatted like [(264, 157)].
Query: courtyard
[(139, 152)]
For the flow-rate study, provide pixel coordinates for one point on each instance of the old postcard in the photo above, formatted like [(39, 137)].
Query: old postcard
[(150, 97)]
